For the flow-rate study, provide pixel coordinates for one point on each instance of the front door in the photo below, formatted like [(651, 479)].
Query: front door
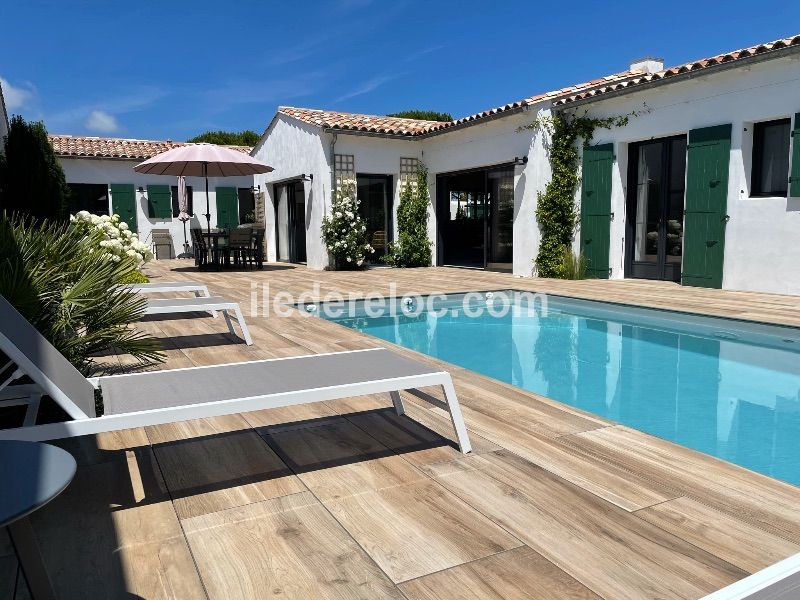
[(706, 205), (375, 207), (655, 223)]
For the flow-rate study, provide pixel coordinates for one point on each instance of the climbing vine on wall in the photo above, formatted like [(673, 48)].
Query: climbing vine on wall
[(413, 246), (556, 212)]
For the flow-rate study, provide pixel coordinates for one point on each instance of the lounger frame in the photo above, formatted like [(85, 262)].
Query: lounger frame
[(86, 425), (210, 304)]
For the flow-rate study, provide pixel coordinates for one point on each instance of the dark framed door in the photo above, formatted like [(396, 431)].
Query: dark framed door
[(475, 218), (655, 209), (375, 198), (290, 222)]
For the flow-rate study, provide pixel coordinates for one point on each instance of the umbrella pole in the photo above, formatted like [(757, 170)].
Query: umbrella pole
[(208, 203)]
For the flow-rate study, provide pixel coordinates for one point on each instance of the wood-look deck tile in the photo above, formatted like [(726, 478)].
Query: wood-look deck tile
[(338, 459), (768, 503), (416, 529), (291, 417), (608, 549), (739, 543), (113, 532), (518, 574), (286, 547)]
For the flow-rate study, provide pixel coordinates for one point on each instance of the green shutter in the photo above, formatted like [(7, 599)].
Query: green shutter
[(707, 163), (596, 209), (159, 202), (227, 207), (123, 203), (794, 179)]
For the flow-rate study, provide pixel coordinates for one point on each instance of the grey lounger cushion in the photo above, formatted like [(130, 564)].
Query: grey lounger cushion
[(180, 387), (165, 304)]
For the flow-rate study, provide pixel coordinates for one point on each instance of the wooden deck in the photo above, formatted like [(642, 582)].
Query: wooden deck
[(347, 500)]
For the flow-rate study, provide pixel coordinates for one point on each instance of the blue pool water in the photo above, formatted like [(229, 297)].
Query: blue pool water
[(727, 388)]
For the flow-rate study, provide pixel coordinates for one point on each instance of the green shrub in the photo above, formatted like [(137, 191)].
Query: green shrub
[(413, 246), (32, 181), (134, 277), (57, 277)]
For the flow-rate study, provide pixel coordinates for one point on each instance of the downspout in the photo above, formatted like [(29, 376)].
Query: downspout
[(333, 167)]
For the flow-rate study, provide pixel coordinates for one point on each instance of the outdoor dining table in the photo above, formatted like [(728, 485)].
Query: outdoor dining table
[(217, 242), (32, 474)]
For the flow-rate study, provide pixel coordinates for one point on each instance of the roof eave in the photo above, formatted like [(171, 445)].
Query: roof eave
[(785, 51)]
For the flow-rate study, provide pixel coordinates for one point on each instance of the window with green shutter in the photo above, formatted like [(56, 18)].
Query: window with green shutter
[(159, 202), (227, 207), (123, 203), (794, 179)]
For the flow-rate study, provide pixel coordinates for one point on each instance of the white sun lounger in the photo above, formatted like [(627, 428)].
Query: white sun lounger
[(199, 289), (212, 304), (142, 399)]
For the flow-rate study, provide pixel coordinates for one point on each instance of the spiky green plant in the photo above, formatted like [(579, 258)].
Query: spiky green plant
[(573, 266), (54, 275)]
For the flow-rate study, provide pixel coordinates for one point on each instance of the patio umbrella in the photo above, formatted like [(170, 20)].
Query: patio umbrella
[(203, 160), (183, 213)]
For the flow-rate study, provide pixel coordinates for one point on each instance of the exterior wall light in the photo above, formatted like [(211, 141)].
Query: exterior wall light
[(305, 177), (520, 161)]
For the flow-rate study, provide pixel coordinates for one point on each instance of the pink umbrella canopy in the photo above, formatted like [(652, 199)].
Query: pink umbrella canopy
[(202, 160)]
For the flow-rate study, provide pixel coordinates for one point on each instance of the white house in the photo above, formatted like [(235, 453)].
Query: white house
[(100, 174), (711, 139)]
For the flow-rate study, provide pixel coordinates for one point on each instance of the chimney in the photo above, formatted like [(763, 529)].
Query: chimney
[(647, 64)]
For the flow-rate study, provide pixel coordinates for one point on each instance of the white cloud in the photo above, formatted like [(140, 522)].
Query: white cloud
[(17, 96), (366, 87), (101, 122)]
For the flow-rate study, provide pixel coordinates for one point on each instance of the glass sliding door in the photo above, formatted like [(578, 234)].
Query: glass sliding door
[(475, 218), (290, 222), (375, 207), (656, 188), (500, 222)]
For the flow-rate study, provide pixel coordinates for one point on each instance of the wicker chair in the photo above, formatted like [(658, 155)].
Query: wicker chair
[(200, 248)]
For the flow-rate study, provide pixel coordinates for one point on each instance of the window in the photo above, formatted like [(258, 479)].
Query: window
[(175, 210), (344, 169), (770, 174), (88, 196), (247, 205)]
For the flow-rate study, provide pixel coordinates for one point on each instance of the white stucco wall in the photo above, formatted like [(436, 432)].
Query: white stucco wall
[(492, 143), (108, 171), (293, 148), (761, 250)]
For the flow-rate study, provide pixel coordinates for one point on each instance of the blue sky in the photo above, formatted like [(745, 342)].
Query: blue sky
[(173, 69)]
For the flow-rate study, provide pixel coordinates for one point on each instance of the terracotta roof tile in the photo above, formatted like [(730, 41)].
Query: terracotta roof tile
[(702, 64), (98, 147), (356, 122)]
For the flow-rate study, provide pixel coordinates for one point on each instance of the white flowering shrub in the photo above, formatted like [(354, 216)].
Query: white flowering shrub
[(344, 231), (117, 240)]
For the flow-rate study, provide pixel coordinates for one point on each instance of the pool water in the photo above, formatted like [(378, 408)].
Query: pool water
[(727, 388)]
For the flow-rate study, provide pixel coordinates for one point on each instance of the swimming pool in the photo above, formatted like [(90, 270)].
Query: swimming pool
[(724, 387)]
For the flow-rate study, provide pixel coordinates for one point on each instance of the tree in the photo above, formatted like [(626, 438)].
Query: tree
[(228, 138), (423, 115), (31, 178)]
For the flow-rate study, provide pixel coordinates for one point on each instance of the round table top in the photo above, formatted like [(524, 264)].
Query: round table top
[(31, 474)]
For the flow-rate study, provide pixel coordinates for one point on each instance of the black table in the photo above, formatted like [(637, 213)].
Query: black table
[(31, 474)]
